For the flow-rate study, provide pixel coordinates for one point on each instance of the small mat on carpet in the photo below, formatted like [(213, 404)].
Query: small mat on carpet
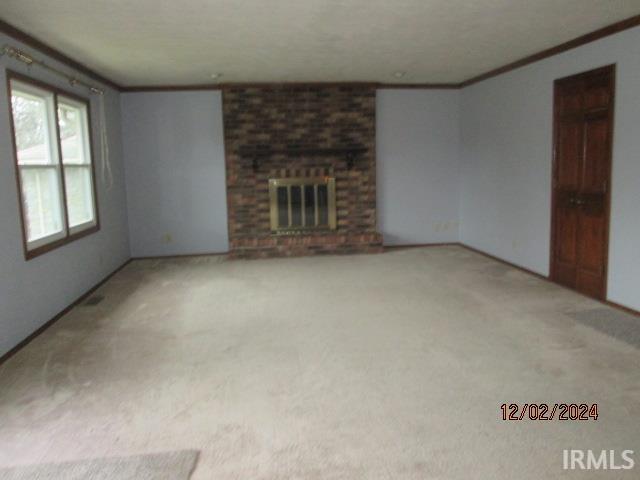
[(158, 466), (616, 324)]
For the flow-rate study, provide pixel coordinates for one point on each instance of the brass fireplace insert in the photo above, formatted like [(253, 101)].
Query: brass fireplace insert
[(302, 204)]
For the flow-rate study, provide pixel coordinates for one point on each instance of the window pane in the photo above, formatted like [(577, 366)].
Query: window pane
[(79, 194), (41, 202), (283, 207), (296, 206), (73, 133), (31, 127), (309, 205), (323, 205)]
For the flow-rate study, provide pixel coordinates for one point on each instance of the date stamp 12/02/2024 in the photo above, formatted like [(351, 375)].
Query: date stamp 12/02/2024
[(548, 412)]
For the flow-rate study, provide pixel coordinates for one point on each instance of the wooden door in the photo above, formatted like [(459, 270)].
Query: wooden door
[(583, 133)]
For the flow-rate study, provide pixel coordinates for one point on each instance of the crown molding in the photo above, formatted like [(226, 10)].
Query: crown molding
[(170, 88), (420, 86), (230, 85)]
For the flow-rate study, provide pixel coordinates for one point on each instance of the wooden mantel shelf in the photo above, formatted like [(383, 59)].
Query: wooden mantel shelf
[(348, 152)]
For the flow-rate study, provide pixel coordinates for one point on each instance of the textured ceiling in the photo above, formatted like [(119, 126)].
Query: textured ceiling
[(155, 42)]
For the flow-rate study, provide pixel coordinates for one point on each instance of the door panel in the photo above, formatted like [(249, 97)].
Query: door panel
[(569, 98), (581, 184), (570, 150), (597, 92), (567, 231), (596, 154), (591, 255)]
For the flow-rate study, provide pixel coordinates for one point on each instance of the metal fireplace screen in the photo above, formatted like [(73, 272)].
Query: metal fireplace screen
[(299, 204)]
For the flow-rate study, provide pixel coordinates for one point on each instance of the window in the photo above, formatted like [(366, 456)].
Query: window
[(51, 132)]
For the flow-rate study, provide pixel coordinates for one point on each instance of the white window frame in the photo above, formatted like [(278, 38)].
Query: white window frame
[(86, 148), (52, 97), (51, 138)]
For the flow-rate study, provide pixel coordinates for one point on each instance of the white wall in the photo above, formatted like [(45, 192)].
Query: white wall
[(507, 154), (174, 157), (34, 291), (417, 144)]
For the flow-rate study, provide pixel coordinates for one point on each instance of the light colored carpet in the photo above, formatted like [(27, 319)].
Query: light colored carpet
[(364, 367), (158, 466)]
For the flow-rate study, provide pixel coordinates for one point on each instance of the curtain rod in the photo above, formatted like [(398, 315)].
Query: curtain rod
[(24, 57)]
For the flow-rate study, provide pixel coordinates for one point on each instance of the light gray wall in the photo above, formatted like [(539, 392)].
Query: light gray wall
[(417, 143), (34, 291), (499, 175), (507, 154), (174, 157)]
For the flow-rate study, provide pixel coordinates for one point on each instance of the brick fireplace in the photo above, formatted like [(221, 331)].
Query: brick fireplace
[(290, 135)]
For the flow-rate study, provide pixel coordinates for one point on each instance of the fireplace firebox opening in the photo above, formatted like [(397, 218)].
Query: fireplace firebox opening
[(298, 205)]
